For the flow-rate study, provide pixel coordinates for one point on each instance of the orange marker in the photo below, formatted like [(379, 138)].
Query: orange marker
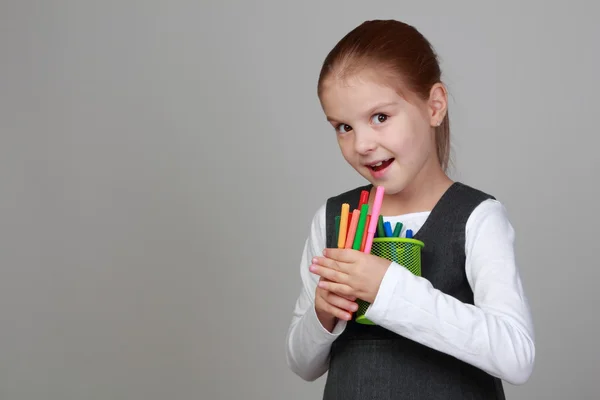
[(349, 223), (352, 229), (343, 225), (364, 238)]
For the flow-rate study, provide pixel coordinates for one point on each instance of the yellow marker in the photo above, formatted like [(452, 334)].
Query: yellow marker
[(343, 225)]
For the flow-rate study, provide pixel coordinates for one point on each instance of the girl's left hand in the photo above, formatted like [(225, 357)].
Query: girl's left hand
[(350, 272)]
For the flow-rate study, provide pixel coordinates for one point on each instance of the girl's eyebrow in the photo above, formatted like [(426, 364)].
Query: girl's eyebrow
[(369, 112), (380, 105)]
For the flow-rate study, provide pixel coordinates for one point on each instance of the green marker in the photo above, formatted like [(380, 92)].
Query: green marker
[(380, 230), (360, 228), (397, 229), (337, 228)]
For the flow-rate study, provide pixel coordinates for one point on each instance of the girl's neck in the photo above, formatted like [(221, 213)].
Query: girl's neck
[(419, 196)]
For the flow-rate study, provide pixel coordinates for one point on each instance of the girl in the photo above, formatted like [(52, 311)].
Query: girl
[(463, 326)]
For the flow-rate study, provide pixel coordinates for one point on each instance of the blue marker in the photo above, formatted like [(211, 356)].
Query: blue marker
[(409, 234), (387, 227)]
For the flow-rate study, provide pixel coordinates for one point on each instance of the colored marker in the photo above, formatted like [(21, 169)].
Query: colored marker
[(364, 199), (352, 229), (380, 230), (397, 229), (360, 228), (349, 218), (337, 228), (374, 218), (364, 238), (387, 226), (343, 225), (409, 233)]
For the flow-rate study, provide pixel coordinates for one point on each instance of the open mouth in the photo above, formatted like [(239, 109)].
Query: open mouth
[(381, 164)]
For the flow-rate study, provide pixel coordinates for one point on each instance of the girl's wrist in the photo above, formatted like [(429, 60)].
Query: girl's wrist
[(327, 321)]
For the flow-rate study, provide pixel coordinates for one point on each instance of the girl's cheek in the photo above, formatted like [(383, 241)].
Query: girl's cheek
[(404, 144)]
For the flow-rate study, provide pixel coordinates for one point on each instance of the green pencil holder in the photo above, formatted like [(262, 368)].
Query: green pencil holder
[(405, 252)]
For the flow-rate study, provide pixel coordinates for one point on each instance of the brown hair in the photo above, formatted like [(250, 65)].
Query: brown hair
[(403, 51)]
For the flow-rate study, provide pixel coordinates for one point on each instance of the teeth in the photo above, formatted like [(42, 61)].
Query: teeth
[(378, 164)]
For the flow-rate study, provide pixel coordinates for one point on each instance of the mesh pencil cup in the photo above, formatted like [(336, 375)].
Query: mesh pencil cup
[(405, 252)]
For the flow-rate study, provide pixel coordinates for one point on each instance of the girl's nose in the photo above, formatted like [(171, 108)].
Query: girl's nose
[(364, 142)]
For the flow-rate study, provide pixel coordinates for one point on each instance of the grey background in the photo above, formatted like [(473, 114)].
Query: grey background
[(160, 163)]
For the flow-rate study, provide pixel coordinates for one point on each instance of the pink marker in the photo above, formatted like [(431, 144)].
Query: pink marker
[(374, 218)]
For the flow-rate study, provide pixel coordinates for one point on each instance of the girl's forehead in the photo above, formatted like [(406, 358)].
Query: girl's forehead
[(367, 81), (345, 100), (358, 93), (358, 89)]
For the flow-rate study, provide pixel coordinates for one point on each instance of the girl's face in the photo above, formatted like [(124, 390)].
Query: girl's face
[(385, 138)]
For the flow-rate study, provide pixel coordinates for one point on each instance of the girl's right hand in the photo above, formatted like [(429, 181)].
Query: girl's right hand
[(330, 306)]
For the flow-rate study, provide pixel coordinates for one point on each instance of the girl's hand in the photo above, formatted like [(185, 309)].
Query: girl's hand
[(330, 306), (349, 272)]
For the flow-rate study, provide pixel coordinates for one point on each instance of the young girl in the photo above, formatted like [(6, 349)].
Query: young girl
[(464, 325)]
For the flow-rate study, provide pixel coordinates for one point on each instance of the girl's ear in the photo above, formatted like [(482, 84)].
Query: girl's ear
[(438, 104)]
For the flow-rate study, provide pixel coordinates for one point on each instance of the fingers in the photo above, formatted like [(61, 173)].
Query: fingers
[(337, 306), (326, 262), (340, 302), (329, 273), (339, 289), (337, 312), (345, 296), (342, 255)]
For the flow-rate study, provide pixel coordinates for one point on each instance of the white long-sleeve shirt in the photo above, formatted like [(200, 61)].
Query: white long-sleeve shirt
[(495, 334)]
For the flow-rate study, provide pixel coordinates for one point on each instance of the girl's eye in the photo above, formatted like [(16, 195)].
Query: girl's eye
[(344, 128), (379, 118)]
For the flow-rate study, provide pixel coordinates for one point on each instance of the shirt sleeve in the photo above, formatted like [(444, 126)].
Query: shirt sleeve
[(308, 343), (496, 333)]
